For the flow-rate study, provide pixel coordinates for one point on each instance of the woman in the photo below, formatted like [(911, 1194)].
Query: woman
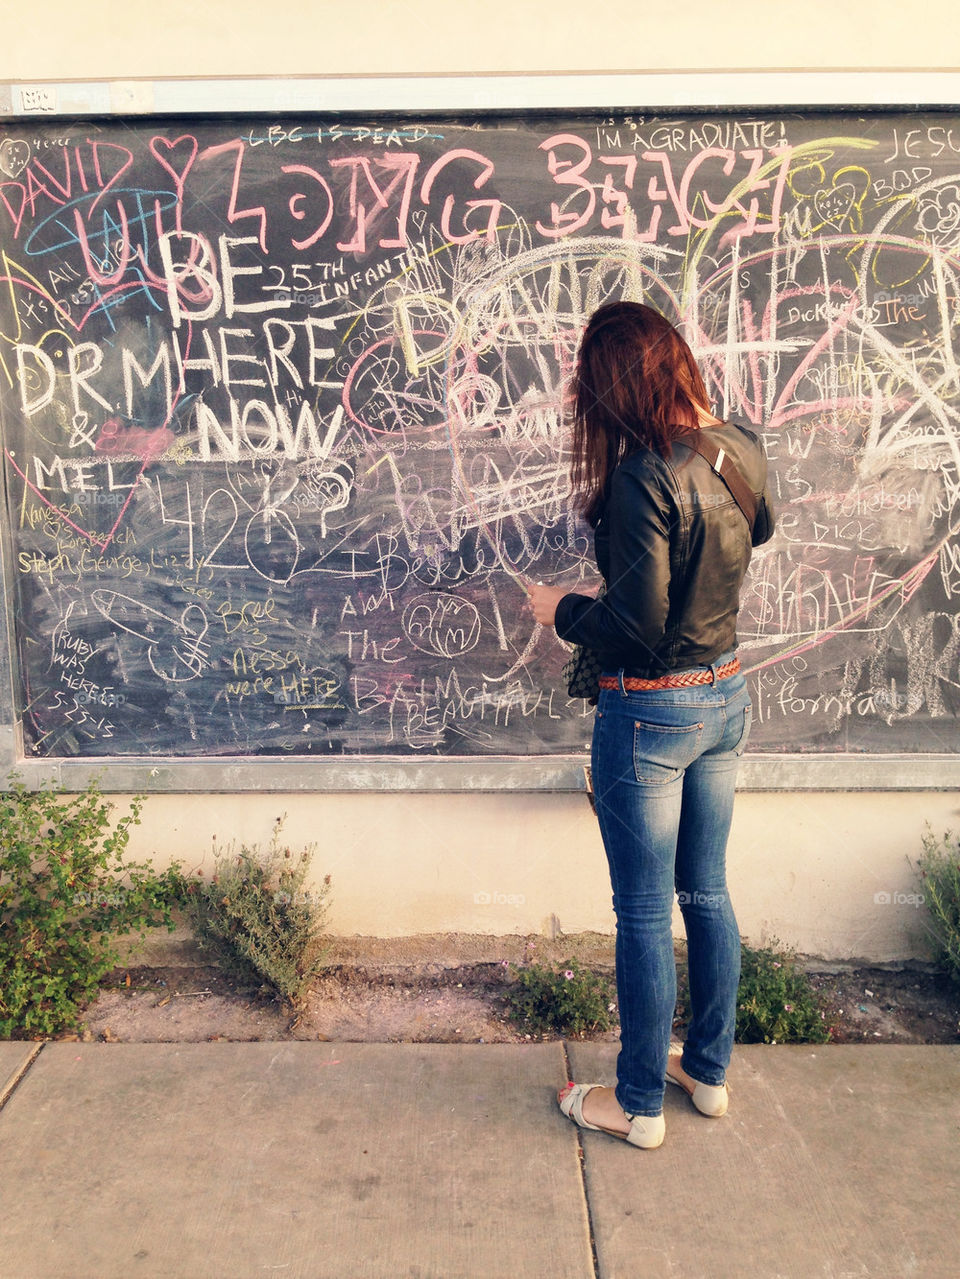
[(673, 713)]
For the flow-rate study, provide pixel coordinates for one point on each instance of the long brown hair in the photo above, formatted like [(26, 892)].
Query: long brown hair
[(636, 386)]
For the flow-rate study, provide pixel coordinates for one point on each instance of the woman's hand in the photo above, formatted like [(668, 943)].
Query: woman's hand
[(544, 601)]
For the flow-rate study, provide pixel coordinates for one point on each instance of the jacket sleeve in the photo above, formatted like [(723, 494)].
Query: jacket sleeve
[(766, 519), (628, 621)]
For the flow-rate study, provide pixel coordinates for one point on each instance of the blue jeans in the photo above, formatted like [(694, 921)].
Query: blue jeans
[(664, 771)]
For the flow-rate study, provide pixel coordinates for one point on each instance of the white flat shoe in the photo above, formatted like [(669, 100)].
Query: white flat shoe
[(709, 1099), (646, 1131)]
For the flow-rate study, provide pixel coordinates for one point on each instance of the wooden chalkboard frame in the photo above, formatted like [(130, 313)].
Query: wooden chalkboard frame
[(841, 91)]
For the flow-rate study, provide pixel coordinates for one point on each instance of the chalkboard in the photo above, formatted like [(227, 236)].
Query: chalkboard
[(283, 418)]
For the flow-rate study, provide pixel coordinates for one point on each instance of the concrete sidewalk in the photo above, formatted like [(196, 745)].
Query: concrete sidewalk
[(438, 1161)]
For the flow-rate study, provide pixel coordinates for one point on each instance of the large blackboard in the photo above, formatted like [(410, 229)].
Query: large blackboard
[(282, 410)]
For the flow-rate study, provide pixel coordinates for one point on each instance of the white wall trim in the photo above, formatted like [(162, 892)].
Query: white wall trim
[(270, 774), (652, 90)]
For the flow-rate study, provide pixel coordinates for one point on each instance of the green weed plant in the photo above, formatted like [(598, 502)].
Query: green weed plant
[(66, 896), (939, 871), (258, 919), (776, 1003), (566, 999)]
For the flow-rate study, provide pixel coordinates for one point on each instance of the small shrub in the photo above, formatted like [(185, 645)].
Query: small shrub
[(258, 919), (939, 871), (567, 999), (66, 895), (682, 1011), (776, 1003)]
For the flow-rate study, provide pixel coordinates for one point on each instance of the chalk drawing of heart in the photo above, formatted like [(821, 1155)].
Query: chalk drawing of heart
[(179, 175), (833, 206), (14, 154)]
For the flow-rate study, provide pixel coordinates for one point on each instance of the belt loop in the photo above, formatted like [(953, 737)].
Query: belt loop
[(623, 691), (713, 673)]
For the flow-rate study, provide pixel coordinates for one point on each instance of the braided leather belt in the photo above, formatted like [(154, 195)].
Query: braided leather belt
[(685, 679)]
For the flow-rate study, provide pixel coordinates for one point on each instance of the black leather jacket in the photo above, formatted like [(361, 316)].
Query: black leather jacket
[(673, 548)]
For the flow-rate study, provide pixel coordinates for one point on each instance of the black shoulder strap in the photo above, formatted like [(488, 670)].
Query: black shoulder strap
[(740, 491)]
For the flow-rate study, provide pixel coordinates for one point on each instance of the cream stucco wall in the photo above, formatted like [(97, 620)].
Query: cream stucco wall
[(827, 873), (97, 39), (805, 867)]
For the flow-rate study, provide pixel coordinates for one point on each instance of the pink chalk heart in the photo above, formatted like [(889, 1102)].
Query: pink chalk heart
[(174, 161)]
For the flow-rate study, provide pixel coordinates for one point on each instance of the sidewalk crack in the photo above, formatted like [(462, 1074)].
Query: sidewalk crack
[(583, 1179), (13, 1083)]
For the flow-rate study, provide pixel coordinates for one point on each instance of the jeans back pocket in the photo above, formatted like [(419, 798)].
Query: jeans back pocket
[(662, 751), (745, 734)]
